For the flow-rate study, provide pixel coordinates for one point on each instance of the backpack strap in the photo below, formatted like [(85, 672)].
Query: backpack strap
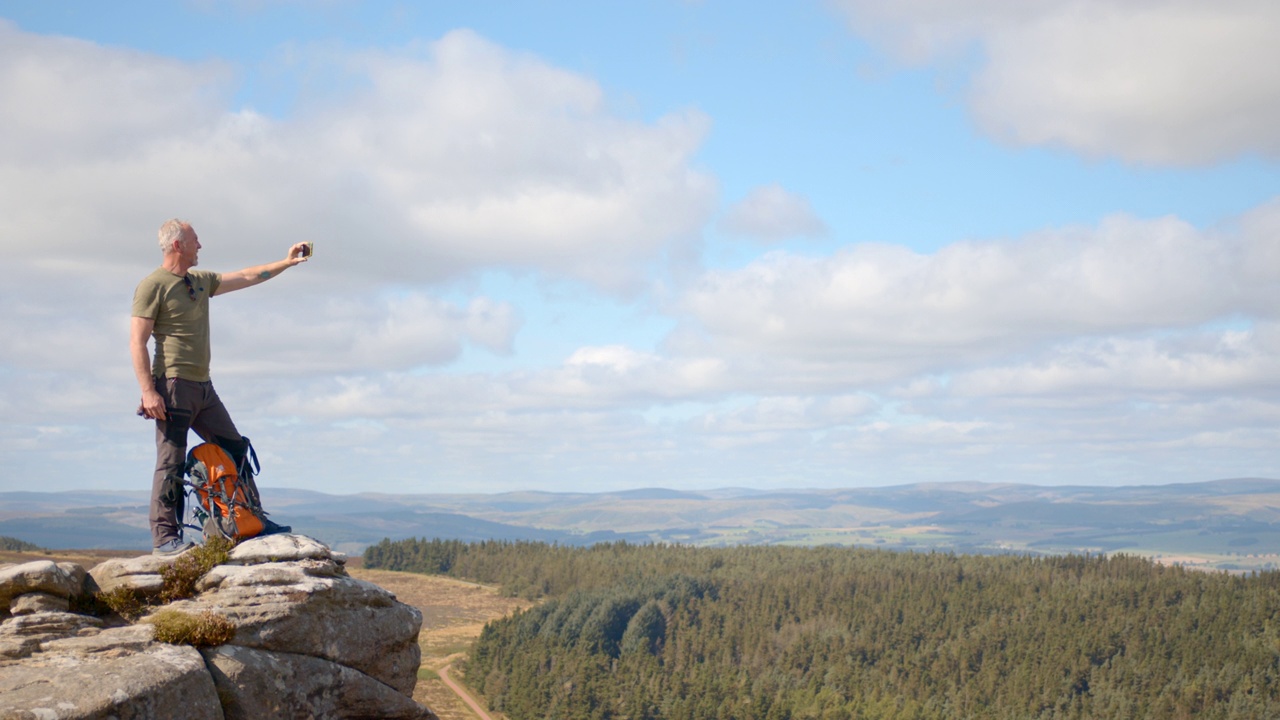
[(249, 464), (250, 467)]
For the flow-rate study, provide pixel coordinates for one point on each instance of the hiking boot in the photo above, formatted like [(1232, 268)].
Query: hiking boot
[(270, 527), (173, 547)]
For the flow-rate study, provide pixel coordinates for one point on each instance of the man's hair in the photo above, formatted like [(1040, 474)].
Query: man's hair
[(170, 232)]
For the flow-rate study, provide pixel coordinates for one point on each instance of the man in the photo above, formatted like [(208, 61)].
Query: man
[(172, 305)]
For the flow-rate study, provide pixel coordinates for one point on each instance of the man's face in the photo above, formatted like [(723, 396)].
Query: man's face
[(189, 246)]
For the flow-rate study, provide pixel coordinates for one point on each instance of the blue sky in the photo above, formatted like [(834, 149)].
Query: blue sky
[(590, 246)]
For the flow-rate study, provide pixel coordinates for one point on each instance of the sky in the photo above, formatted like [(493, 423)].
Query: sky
[(580, 246)]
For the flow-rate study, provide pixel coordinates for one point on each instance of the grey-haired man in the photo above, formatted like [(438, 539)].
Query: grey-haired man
[(172, 306)]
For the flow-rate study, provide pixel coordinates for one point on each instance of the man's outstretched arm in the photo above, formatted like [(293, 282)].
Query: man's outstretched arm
[(248, 277)]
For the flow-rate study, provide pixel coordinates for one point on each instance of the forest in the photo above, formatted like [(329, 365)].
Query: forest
[(670, 632)]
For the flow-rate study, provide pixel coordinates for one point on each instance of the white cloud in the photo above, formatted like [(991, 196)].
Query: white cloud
[(492, 158), (1064, 356), (1166, 82), (416, 167), (785, 415), (605, 376), (910, 312), (1044, 354), (427, 163), (771, 214), (1142, 368), (614, 357), (346, 334), (70, 102)]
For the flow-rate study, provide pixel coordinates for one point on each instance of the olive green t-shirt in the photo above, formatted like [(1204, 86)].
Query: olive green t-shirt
[(181, 322)]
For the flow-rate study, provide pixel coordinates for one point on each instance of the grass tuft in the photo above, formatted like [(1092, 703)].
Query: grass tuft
[(181, 577), (204, 630), (124, 601), (179, 582)]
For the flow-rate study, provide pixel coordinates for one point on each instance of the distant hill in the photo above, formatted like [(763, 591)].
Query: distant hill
[(1227, 524)]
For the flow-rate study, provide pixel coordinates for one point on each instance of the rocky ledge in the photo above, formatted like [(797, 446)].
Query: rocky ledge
[(309, 641)]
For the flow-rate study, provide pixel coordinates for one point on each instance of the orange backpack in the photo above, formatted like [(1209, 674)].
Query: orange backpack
[(226, 506)]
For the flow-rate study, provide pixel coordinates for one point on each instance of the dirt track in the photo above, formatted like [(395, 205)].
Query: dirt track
[(453, 614), (466, 697)]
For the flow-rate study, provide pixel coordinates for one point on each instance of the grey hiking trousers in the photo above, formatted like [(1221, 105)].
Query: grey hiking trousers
[(188, 405)]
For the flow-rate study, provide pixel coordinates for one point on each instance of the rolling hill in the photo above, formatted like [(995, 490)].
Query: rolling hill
[(1225, 524)]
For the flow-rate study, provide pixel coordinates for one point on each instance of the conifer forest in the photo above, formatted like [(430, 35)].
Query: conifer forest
[(669, 632)]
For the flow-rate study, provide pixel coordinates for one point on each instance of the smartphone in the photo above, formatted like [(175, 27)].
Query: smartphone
[(307, 249)]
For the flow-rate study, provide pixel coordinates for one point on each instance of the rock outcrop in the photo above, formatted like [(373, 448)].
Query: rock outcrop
[(309, 641)]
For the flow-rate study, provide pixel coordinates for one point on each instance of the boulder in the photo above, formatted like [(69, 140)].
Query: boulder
[(113, 674), (310, 641), (43, 576), (140, 573), (23, 635), (78, 576), (308, 686), (35, 602), (311, 607), (279, 548)]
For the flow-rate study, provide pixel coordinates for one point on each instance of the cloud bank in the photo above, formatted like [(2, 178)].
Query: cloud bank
[(431, 165), (1154, 82), (1127, 347)]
